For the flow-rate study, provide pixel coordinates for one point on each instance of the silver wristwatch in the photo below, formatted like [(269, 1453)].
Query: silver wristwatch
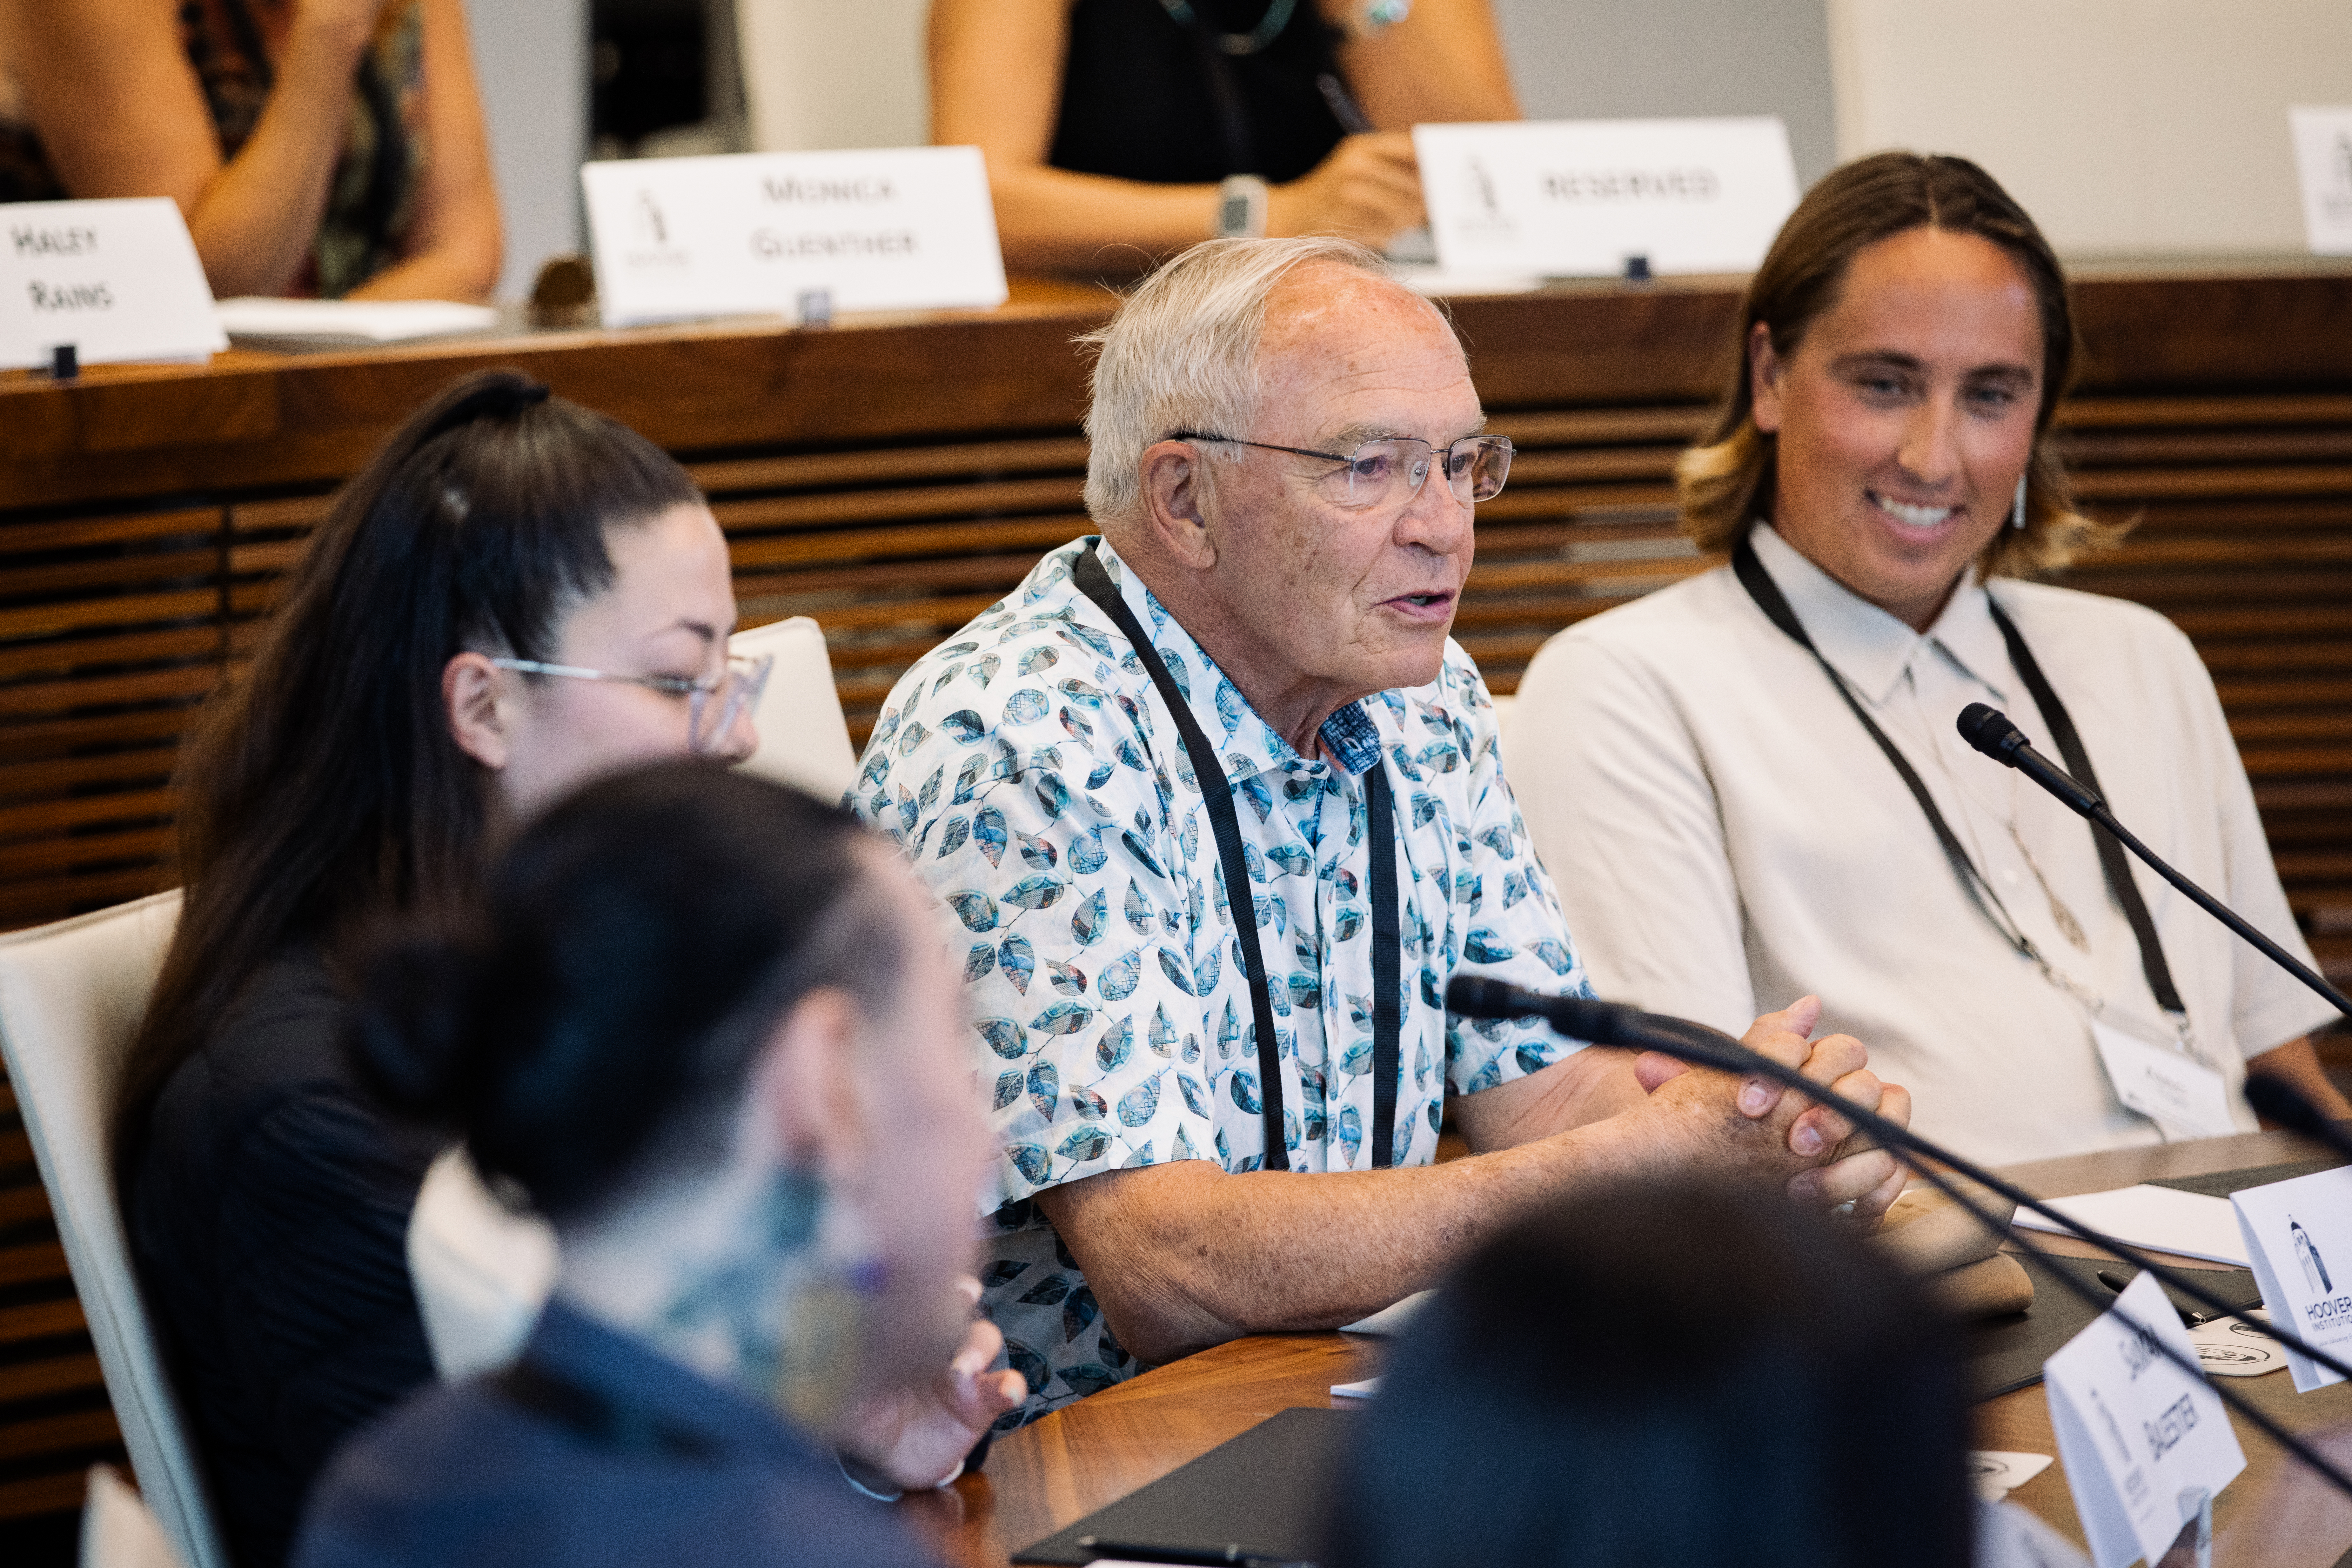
[(1241, 208)]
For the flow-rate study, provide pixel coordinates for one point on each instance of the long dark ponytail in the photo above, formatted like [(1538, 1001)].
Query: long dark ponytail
[(324, 790)]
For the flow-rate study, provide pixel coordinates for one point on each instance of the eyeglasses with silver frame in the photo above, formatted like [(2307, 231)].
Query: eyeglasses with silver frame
[(1389, 468), (735, 689)]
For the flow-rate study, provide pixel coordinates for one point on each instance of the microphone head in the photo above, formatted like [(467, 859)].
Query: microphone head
[(1989, 732), (1478, 996)]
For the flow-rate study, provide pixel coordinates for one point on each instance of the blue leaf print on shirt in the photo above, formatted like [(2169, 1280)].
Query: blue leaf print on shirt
[(1351, 1131), (1117, 982), (1045, 1090), (1087, 921), (978, 962), (1086, 1144), (1442, 757), (1088, 636), (1087, 697), (950, 673), (1161, 1035), (964, 725), (1347, 924), (1087, 854), (1498, 839), (1194, 1095), (1078, 1314), (1052, 797), (966, 777), (984, 668), (1020, 961), (1026, 706), (1556, 957), (1178, 670), (1482, 946), (1047, 1292), (1204, 973), (1037, 659), (1296, 859), (977, 911), (987, 833), (1230, 708), (914, 736), (1135, 846), (1515, 888), (1034, 1165), (1425, 809), (1229, 1032), (1178, 975), (952, 837), (1357, 1060), (1035, 892), (1088, 1103), (1306, 991), (1005, 1037), (1068, 978), (1118, 1040), (1037, 852), (1139, 909), (1008, 1088), (1242, 1085), (1138, 1104), (1062, 1018)]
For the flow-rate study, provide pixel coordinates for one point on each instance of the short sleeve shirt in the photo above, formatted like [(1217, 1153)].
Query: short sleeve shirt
[(1034, 779)]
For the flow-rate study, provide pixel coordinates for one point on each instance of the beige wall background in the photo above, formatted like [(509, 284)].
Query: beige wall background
[(2129, 128)]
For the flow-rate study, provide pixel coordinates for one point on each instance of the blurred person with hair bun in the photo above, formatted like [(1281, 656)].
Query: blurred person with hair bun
[(703, 1025)]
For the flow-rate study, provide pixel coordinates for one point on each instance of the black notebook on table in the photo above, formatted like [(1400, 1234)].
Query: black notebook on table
[(1263, 1491)]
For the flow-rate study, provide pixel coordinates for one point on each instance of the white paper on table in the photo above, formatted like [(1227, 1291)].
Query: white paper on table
[(2228, 1348), (2300, 1235), (2011, 1537), (1391, 1319), (1363, 1390), (2160, 1218), (1997, 1474), (2141, 1440), (351, 322)]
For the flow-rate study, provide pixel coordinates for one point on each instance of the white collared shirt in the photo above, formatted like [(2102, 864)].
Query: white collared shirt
[(1725, 837)]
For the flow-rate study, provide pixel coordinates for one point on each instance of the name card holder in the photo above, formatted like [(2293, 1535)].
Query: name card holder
[(2146, 1446), (1606, 197), (2299, 1244), (99, 282), (797, 235)]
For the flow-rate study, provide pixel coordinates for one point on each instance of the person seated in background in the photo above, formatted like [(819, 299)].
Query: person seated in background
[(514, 596), (1212, 806), (1711, 773), (328, 147), (702, 1023), (1665, 1373), (1117, 131)]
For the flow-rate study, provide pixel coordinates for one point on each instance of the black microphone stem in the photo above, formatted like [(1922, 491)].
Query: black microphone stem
[(2218, 910), (1696, 1042)]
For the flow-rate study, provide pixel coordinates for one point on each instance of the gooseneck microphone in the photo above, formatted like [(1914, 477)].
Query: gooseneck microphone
[(1614, 1024), (1990, 731)]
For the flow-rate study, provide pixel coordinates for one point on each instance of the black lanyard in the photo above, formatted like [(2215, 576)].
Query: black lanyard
[(1775, 606), (1217, 793)]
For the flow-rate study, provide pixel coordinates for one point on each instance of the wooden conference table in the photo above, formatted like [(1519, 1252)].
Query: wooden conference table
[(1059, 1469)]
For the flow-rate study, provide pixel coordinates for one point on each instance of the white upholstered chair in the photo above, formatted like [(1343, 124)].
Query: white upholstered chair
[(803, 739), (70, 996), (118, 1528)]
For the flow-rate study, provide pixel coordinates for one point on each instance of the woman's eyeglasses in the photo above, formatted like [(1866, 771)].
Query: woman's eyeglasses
[(714, 702), (1394, 468)]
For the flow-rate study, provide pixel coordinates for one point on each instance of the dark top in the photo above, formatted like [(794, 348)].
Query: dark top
[(373, 195), (1146, 97), (269, 1219), (617, 1455)]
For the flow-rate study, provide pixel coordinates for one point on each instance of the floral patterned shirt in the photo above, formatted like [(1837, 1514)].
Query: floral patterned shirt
[(1032, 775)]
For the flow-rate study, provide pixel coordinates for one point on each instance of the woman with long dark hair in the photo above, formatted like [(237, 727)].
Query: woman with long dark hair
[(516, 595)]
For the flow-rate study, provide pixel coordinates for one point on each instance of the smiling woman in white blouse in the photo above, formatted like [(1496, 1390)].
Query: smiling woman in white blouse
[(1749, 787)]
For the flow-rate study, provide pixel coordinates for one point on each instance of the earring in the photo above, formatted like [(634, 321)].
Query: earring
[(2017, 508)]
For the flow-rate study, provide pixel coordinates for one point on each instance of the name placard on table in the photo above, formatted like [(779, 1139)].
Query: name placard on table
[(2146, 1446), (1583, 197), (2299, 1244), (112, 280), (2323, 163), (896, 228)]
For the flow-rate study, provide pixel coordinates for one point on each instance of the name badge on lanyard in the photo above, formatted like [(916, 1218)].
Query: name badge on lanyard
[(2183, 1096)]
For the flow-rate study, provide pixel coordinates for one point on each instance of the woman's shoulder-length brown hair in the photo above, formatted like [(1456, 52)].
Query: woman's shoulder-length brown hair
[(1727, 480)]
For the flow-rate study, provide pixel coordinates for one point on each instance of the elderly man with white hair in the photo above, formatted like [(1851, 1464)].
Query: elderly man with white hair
[(1212, 806)]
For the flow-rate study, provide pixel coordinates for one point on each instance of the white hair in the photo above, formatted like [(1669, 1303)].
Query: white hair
[(1180, 353)]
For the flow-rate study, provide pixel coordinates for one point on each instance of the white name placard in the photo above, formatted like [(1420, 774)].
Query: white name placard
[(2323, 165), (897, 228), (114, 280), (2143, 1442), (1583, 197), (2299, 1243)]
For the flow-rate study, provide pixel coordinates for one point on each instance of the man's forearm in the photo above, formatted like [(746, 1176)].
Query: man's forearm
[(2296, 1064), (1184, 1256)]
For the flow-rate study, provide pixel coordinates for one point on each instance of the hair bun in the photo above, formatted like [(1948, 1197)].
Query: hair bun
[(418, 1008)]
